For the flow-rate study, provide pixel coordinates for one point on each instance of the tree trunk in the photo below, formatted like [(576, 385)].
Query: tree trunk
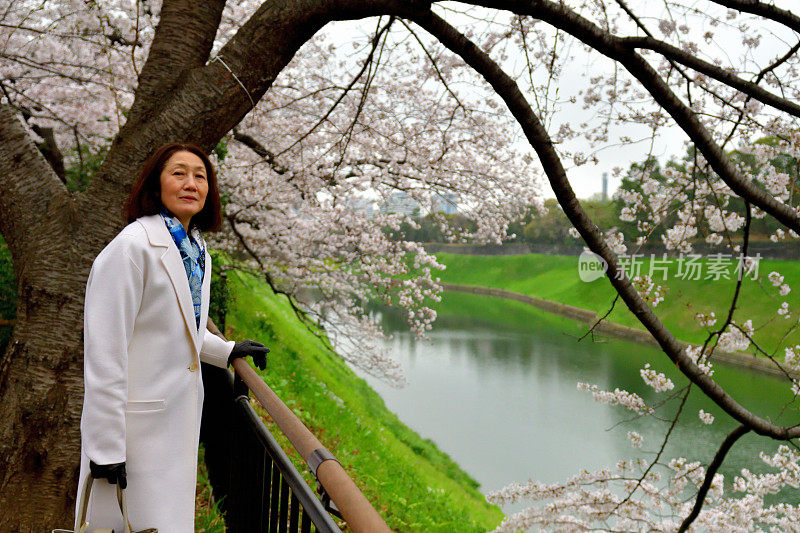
[(41, 391)]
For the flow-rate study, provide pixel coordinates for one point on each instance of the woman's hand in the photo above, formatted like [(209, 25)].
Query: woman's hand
[(254, 349), (114, 473)]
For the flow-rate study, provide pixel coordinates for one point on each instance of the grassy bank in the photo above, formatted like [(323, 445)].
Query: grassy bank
[(408, 479), (556, 278), (207, 516)]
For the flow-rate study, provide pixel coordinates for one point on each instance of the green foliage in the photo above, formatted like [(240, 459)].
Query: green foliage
[(8, 294), (604, 213), (413, 484), (553, 227), (221, 149), (83, 168), (220, 296), (550, 228)]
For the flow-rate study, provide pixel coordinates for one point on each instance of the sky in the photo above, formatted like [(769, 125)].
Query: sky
[(586, 179)]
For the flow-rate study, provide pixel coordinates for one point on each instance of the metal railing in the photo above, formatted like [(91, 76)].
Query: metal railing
[(258, 487), (255, 483)]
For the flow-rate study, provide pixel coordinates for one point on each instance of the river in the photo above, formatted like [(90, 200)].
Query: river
[(495, 388)]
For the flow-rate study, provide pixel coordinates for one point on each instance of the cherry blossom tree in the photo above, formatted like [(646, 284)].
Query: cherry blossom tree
[(436, 99)]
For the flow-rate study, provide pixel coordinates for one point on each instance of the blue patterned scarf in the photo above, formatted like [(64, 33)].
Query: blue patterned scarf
[(193, 254)]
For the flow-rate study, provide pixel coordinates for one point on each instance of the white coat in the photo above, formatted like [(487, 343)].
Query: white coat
[(143, 390)]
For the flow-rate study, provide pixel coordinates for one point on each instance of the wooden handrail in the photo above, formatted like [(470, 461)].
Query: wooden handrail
[(359, 514)]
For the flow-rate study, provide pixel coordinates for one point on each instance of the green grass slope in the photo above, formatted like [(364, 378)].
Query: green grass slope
[(414, 485), (556, 278)]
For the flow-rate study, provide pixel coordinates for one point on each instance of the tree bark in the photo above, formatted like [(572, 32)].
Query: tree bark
[(41, 372)]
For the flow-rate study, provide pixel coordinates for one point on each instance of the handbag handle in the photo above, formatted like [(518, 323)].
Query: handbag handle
[(87, 490)]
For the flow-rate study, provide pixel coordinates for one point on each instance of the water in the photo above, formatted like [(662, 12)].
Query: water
[(495, 388)]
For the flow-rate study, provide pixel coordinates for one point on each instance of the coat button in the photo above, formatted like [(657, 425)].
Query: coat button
[(193, 367)]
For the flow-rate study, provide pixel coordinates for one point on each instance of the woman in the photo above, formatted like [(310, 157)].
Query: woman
[(145, 335)]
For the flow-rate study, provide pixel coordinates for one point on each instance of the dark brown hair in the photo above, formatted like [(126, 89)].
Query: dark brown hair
[(145, 197)]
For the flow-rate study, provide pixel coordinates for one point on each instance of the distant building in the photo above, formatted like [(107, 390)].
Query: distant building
[(402, 203), (446, 203)]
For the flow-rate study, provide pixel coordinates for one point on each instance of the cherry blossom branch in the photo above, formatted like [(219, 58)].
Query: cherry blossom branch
[(749, 88), (614, 47), (724, 448), (376, 41), (28, 110), (379, 45), (262, 151), (676, 55), (301, 314), (673, 53), (665, 440), (769, 11), (766, 70), (738, 287), (379, 162), (770, 356), (433, 62), (540, 140), (57, 69)]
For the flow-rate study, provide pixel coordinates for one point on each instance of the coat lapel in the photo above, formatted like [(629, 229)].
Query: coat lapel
[(158, 234)]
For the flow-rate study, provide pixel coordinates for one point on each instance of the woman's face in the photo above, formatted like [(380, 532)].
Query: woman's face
[(184, 186)]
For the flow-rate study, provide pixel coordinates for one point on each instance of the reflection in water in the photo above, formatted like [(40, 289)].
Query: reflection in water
[(495, 388)]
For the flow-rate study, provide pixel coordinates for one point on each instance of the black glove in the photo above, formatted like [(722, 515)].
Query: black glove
[(254, 349), (113, 473)]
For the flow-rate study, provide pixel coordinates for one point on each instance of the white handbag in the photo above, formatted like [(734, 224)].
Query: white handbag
[(84, 507)]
